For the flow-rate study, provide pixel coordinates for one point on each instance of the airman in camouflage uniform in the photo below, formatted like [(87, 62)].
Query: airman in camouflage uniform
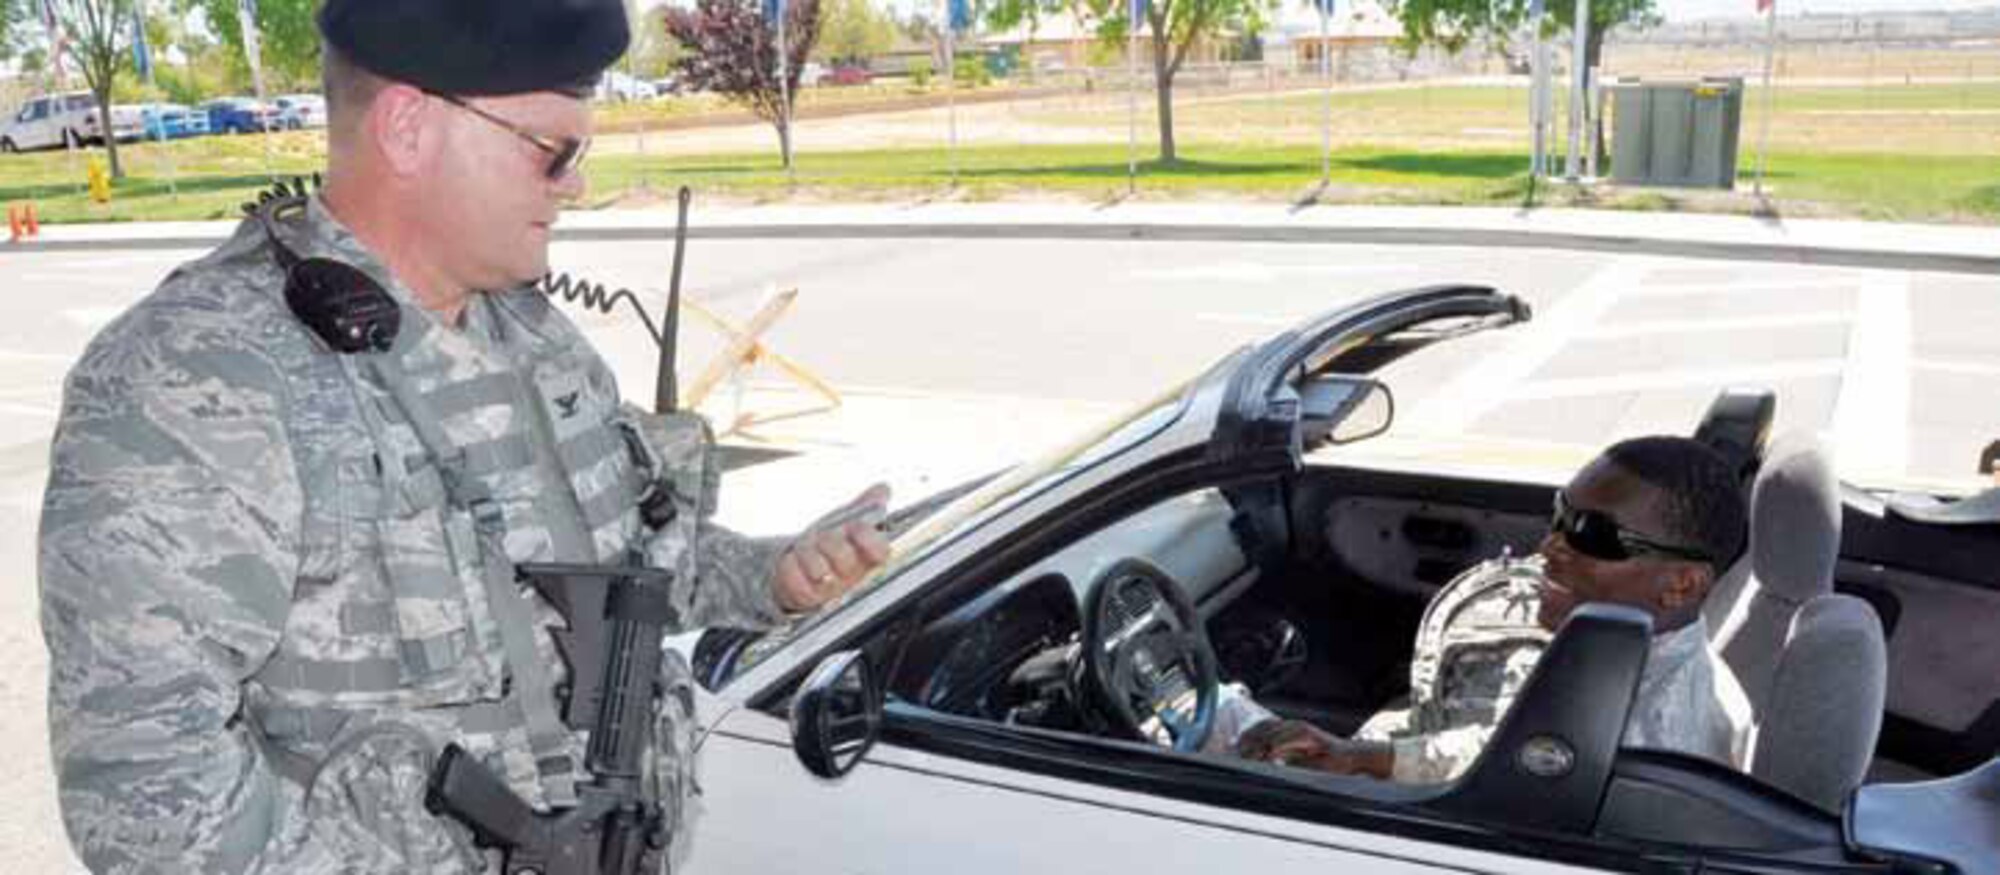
[(1483, 633), (277, 579)]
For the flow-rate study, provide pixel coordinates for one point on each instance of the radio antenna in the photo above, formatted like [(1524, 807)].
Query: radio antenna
[(666, 392)]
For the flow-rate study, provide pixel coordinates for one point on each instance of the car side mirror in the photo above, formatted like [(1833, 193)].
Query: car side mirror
[(836, 715), (1370, 416), (1341, 409)]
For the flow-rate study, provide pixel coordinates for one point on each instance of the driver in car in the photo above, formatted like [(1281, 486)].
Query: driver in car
[(1649, 524)]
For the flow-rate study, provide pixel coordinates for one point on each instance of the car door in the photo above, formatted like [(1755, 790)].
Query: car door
[(37, 129), (1935, 583), (79, 115), (907, 810)]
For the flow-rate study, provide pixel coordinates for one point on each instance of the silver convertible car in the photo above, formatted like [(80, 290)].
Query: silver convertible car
[(1026, 685)]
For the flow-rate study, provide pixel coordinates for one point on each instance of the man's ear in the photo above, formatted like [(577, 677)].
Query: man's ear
[(395, 127), (1686, 585)]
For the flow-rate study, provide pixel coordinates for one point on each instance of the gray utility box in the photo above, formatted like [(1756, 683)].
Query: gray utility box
[(1677, 132)]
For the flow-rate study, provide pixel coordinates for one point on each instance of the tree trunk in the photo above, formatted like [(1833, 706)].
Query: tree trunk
[(1593, 56), (784, 126), (110, 136), (1163, 79)]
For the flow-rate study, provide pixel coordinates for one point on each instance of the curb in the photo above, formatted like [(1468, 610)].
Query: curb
[(1805, 254)]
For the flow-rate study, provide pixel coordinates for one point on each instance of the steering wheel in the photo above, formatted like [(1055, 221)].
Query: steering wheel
[(1146, 659)]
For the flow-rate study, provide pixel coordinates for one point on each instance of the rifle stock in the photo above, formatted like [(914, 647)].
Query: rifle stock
[(617, 619)]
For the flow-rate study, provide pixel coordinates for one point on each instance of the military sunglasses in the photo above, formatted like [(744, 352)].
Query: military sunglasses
[(1597, 535), (565, 153)]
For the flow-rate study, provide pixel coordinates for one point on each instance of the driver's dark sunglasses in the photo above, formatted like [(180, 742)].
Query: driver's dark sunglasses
[(1596, 534), (565, 154)]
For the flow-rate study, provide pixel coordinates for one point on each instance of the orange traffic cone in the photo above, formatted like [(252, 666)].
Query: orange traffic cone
[(14, 228), (34, 225)]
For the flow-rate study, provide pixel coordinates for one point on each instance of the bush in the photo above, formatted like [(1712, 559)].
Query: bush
[(920, 72), (970, 71)]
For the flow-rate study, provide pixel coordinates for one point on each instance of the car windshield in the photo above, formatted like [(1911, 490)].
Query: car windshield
[(1005, 491)]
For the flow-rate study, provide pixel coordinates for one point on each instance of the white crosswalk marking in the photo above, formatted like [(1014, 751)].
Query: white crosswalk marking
[(1741, 287), (1871, 419), (1713, 326), (1491, 381), (1577, 387)]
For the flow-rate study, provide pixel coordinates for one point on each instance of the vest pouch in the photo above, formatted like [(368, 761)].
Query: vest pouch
[(444, 645), (676, 460)]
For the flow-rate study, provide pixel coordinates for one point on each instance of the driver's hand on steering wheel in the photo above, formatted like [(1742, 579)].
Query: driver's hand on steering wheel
[(1301, 744)]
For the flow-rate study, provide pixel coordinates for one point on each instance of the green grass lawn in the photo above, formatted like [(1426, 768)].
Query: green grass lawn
[(1395, 146), (1878, 186)]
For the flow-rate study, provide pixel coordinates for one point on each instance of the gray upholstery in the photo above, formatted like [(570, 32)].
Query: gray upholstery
[(1794, 546), (1813, 664), (1820, 718)]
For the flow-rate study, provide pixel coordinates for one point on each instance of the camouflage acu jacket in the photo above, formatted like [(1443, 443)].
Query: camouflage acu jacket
[(262, 593), (1477, 646)]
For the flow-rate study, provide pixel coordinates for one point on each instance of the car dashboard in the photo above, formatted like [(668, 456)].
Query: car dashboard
[(1009, 648)]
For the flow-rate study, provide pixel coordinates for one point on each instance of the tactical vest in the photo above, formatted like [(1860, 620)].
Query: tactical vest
[(429, 471)]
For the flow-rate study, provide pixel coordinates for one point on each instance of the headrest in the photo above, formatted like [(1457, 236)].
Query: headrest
[(1795, 520)]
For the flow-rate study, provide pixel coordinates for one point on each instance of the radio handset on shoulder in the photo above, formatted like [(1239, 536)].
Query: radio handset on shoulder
[(346, 307)]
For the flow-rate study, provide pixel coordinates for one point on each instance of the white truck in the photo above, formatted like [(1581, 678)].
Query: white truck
[(63, 119)]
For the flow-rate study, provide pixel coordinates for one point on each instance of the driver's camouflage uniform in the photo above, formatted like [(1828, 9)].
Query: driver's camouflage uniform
[(1477, 645), (268, 602)]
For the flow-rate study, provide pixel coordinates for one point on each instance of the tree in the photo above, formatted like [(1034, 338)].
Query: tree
[(14, 16), (1176, 26), (1005, 15), (100, 32), (287, 38), (733, 51), (1453, 24), (1172, 27), (854, 31), (653, 53)]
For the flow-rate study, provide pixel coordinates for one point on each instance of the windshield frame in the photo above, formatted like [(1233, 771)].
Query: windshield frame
[(972, 512)]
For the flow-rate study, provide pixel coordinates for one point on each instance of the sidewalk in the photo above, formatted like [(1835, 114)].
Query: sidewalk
[(1962, 248)]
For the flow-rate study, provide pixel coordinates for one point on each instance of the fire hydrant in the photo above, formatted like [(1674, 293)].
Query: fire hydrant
[(100, 182)]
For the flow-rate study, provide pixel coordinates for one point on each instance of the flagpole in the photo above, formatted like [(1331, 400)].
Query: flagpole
[(57, 48), (1326, 82), (785, 100), (1132, 97), (951, 89), (1578, 64), (246, 17), (1537, 93), (1770, 56)]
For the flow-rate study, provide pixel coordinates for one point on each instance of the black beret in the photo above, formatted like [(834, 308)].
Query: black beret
[(480, 47)]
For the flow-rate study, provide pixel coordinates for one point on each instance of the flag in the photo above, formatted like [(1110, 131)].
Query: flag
[(1764, 6), (58, 41), (246, 15), (960, 15), (1326, 7), (1136, 12), (773, 11), (142, 55)]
